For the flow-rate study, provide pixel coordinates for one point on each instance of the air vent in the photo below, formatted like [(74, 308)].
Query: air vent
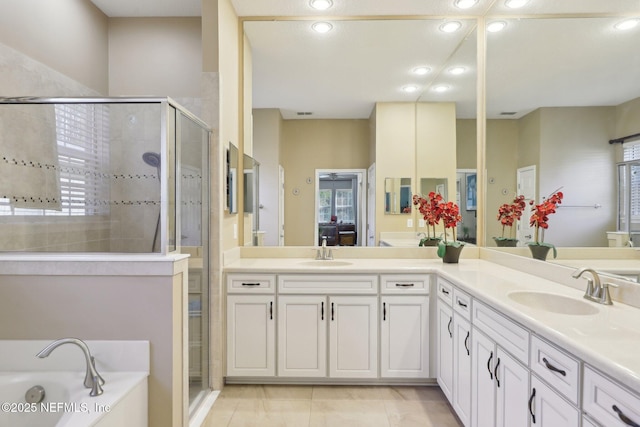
[(304, 113), (508, 113)]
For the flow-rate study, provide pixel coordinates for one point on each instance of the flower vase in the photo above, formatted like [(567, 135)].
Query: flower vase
[(539, 251), (430, 241), (451, 254), (502, 242)]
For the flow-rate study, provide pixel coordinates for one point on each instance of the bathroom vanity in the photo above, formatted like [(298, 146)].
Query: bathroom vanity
[(506, 347)]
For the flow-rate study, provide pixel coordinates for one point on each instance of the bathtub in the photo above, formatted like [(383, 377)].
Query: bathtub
[(67, 402)]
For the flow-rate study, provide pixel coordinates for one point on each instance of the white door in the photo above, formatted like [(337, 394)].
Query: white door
[(280, 206), (371, 206), (462, 369), (548, 409), (512, 391), (445, 349), (250, 335), (302, 336), (526, 181), (404, 331), (483, 396), (353, 332)]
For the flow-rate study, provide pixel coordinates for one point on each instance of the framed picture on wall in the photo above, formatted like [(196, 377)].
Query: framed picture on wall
[(471, 192)]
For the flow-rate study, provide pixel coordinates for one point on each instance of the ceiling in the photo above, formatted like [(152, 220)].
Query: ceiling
[(341, 74)]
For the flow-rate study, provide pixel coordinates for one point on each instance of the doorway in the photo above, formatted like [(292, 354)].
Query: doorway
[(339, 210), (526, 182)]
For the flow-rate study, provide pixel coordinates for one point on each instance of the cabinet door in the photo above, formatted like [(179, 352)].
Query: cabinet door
[(483, 396), (353, 333), (462, 369), (250, 335), (302, 336), (404, 330), (548, 409), (512, 391), (445, 349)]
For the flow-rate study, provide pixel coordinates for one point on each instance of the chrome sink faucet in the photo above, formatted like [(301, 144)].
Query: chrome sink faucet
[(324, 253), (596, 290), (92, 378)]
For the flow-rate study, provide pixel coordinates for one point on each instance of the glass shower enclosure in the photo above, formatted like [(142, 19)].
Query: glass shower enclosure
[(111, 175)]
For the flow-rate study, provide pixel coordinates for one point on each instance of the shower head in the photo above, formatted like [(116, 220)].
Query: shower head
[(152, 159)]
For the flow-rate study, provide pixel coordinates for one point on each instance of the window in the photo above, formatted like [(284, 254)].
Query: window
[(82, 134), (336, 197)]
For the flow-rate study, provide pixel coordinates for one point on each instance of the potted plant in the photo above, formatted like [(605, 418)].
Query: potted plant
[(428, 208), (540, 220), (508, 214)]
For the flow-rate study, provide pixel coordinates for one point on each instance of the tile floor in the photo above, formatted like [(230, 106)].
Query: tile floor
[(334, 406)]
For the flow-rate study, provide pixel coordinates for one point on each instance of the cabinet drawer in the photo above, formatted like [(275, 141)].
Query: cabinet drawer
[(445, 291), (462, 303), (251, 283), (323, 283), (507, 334), (558, 369), (607, 402), (405, 283)]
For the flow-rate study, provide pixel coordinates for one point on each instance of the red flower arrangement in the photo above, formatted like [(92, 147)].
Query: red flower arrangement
[(509, 213), (540, 217), (434, 209)]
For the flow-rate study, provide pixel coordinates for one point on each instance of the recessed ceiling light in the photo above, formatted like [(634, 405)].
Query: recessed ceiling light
[(410, 88), (322, 27), (496, 26), (441, 88), (514, 4), (465, 4), (457, 70), (450, 27), (421, 71), (321, 4), (627, 24)]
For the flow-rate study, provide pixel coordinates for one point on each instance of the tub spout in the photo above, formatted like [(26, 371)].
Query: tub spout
[(92, 378)]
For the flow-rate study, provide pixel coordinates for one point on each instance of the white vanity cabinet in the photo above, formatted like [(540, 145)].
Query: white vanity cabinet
[(444, 339), (607, 402), (500, 380), (251, 328), (404, 326)]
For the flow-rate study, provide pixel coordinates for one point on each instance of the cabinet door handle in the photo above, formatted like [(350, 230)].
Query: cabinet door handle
[(250, 284), (444, 291), (271, 310), (461, 304), (405, 285), (466, 343), (322, 311), (628, 421), (553, 368), (495, 372), (332, 312), (384, 311), (489, 365), (449, 327), (533, 395)]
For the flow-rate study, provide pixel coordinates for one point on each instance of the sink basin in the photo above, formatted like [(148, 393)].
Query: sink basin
[(326, 263), (553, 303)]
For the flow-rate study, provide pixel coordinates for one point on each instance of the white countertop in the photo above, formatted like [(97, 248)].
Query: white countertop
[(608, 340)]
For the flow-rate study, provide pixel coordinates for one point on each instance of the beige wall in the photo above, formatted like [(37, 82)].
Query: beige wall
[(68, 36), (155, 57), (308, 145), (466, 146)]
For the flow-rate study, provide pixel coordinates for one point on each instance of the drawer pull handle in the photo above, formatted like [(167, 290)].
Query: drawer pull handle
[(495, 372), (624, 418), (553, 368), (466, 343), (444, 291), (533, 416), (489, 365), (461, 304), (449, 327), (251, 284), (332, 312), (405, 285), (384, 311), (322, 311), (271, 310)]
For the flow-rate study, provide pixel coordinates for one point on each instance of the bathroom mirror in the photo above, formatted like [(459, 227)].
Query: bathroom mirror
[(232, 176), (397, 196), (437, 185)]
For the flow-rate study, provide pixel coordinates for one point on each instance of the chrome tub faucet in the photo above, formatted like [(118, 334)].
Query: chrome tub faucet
[(92, 378)]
